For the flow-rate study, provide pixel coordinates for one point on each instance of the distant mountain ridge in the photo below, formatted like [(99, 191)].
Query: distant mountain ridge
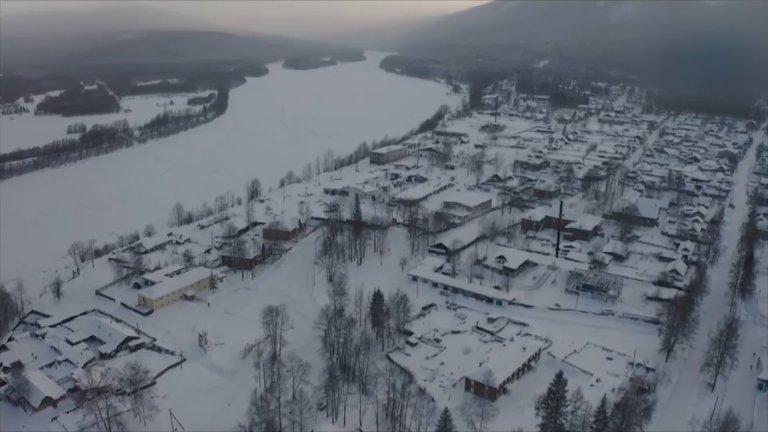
[(123, 43), (128, 33), (688, 47), (578, 22)]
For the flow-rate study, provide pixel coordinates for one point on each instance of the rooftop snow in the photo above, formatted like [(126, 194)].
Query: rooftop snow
[(421, 191), (40, 387), (467, 198), (158, 276), (175, 283)]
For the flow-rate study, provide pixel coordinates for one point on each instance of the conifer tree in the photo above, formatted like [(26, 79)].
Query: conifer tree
[(552, 406), (600, 420), (445, 422)]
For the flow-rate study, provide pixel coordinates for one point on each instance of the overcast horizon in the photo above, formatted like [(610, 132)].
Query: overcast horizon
[(288, 18)]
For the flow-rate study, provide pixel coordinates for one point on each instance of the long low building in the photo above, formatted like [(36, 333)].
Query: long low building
[(385, 155), (173, 289), (428, 273)]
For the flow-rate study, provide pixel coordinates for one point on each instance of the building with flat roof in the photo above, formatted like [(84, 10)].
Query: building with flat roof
[(173, 289), (388, 154)]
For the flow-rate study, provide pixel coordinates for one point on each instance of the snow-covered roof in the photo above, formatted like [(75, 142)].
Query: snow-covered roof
[(388, 149), (40, 387), (421, 191), (79, 354), (615, 247), (158, 276), (513, 258), (686, 247), (105, 330), (175, 283), (467, 198), (504, 360), (426, 272), (149, 243), (677, 266), (460, 236), (584, 221), (29, 351)]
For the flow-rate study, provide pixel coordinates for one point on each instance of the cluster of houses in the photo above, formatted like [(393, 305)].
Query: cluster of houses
[(43, 360)]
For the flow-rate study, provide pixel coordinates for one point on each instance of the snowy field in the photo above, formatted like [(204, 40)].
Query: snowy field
[(28, 130), (274, 123)]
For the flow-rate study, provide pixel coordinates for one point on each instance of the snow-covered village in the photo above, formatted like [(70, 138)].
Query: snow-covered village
[(483, 260)]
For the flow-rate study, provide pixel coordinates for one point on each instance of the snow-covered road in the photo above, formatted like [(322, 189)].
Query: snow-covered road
[(689, 395)]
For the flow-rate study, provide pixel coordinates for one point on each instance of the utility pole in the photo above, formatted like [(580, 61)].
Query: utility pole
[(559, 226)]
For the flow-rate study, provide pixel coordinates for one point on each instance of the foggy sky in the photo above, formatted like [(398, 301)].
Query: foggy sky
[(296, 18)]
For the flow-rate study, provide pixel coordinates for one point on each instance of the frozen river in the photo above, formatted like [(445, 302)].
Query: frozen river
[(274, 123)]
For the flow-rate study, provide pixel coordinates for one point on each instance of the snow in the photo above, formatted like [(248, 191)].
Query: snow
[(40, 387), (274, 123), (28, 130), (175, 283), (110, 333), (421, 191), (688, 394), (160, 275), (592, 341), (467, 198), (451, 349)]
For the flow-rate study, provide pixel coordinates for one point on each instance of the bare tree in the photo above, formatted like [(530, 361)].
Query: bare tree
[(727, 421), (136, 381), (626, 221), (634, 407), (20, 298), (252, 190), (230, 230), (298, 372), (477, 412), (188, 256), (478, 166), (91, 249), (8, 311), (177, 215), (56, 287), (101, 407), (305, 211), (275, 321), (306, 172), (299, 411), (678, 319), (138, 264), (149, 230), (579, 412), (249, 213), (399, 307), (723, 349), (117, 269), (74, 251), (330, 253)]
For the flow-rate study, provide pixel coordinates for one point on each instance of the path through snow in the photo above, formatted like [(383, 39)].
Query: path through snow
[(690, 394)]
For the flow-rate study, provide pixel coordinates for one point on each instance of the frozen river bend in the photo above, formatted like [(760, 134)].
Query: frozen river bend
[(274, 123)]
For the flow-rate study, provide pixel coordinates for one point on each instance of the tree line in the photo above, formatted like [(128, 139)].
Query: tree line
[(721, 355), (101, 139), (630, 411)]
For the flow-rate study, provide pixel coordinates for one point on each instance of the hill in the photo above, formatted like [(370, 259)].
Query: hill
[(119, 43), (719, 44)]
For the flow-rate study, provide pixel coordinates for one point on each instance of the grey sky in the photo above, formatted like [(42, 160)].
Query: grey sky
[(306, 17)]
